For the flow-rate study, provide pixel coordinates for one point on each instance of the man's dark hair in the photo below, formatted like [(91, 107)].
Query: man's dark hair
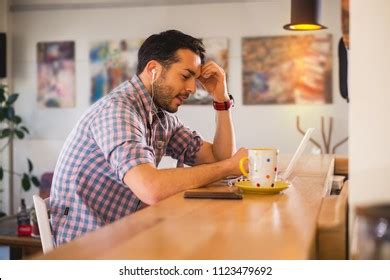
[(162, 47)]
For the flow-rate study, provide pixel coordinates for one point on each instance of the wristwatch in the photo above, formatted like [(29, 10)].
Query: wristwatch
[(224, 106)]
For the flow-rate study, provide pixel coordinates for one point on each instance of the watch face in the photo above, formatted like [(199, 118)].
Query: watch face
[(231, 99)]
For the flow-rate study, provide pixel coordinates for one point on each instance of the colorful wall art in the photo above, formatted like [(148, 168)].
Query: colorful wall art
[(56, 74), (287, 69), (111, 63)]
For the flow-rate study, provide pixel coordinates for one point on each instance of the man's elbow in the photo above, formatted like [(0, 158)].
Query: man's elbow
[(144, 181), (150, 192), (150, 198)]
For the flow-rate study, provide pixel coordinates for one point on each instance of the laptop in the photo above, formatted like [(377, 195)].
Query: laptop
[(297, 155)]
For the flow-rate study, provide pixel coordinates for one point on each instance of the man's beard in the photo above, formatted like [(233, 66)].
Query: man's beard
[(163, 95)]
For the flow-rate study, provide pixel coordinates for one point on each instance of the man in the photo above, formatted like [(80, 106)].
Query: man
[(107, 167)]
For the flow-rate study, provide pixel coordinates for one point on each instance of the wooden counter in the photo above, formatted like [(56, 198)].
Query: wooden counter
[(279, 226), (20, 247), (9, 237)]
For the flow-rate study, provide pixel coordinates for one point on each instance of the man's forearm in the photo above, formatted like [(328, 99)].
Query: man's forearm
[(224, 145), (152, 185)]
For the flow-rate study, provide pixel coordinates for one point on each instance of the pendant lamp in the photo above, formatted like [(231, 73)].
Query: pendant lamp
[(304, 15)]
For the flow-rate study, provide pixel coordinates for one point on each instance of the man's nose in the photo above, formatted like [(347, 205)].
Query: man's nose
[(191, 87)]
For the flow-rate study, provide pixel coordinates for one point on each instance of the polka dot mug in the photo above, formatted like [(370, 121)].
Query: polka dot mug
[(262, 166)]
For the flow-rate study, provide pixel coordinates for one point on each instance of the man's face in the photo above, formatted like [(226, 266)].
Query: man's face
[(178, 82)]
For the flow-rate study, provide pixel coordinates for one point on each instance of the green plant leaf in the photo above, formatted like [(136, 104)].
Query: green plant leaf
[(12, 98), (1, 173), (26, 185), (2, 97), (30, 165), (17, 119), (2, 114), (5, 133), (35, 181), (19, 134), (25, 129), (10, 113)]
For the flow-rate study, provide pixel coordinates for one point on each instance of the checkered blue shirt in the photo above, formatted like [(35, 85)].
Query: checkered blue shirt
[(113, 136)]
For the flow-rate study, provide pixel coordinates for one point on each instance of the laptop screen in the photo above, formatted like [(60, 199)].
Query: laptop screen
[(297, 154)]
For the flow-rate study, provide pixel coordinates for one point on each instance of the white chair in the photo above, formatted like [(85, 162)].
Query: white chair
[(41, 206)]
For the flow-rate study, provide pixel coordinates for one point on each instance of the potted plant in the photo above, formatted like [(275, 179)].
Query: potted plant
[(11, 127)]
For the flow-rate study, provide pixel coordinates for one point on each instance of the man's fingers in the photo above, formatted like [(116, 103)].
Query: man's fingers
[(206, 75), (209, 66), (210, 70), (200, 83), (206, 72)]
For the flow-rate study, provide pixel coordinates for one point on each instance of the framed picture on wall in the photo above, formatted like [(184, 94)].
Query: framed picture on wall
[(287, 69), (345, 21), (111, 63), (218, 51), (56, 74)]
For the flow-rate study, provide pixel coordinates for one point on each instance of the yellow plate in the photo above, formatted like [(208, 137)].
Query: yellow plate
[(247, 187)]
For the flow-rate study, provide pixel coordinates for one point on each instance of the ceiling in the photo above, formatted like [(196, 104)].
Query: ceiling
[(42, 5)]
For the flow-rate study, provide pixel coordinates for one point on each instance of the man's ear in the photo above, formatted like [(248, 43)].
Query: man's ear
[(153, 69)]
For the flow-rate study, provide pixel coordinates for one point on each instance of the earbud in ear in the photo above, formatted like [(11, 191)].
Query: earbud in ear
[(153, 75)]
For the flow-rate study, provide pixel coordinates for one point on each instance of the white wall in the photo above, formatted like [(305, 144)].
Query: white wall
[(3, 15), (4, 27), (370, 94), (255, 125)]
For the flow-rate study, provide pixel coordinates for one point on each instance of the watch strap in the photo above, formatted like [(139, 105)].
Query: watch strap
[(224, 106)]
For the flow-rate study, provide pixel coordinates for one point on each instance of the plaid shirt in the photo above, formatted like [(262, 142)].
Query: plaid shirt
[(113, 136)]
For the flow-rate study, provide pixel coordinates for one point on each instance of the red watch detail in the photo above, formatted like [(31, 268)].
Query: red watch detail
[(224, 106)]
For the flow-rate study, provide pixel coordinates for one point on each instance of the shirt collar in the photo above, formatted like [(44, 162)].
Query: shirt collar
[(143, 93)]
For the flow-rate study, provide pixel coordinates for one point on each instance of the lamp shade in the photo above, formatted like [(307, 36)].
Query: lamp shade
[(304, 15)]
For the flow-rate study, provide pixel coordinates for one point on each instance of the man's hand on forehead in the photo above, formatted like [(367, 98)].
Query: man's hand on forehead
[(213, 79)]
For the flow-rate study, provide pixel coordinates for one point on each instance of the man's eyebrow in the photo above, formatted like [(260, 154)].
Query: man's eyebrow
[(191, 72)]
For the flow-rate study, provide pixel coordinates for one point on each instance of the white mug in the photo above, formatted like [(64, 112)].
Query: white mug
[(262, 166)]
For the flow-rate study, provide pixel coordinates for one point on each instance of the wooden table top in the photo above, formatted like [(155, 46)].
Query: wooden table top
[(281, 226), (9, 237)]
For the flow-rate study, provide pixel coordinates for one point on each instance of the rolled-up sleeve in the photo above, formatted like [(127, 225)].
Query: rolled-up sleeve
[(184, 144), (121, 135)]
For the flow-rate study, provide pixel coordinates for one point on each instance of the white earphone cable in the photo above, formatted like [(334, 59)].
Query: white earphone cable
[(154, 110)]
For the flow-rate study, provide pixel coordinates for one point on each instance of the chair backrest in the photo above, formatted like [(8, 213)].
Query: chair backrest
[(41, 206)]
